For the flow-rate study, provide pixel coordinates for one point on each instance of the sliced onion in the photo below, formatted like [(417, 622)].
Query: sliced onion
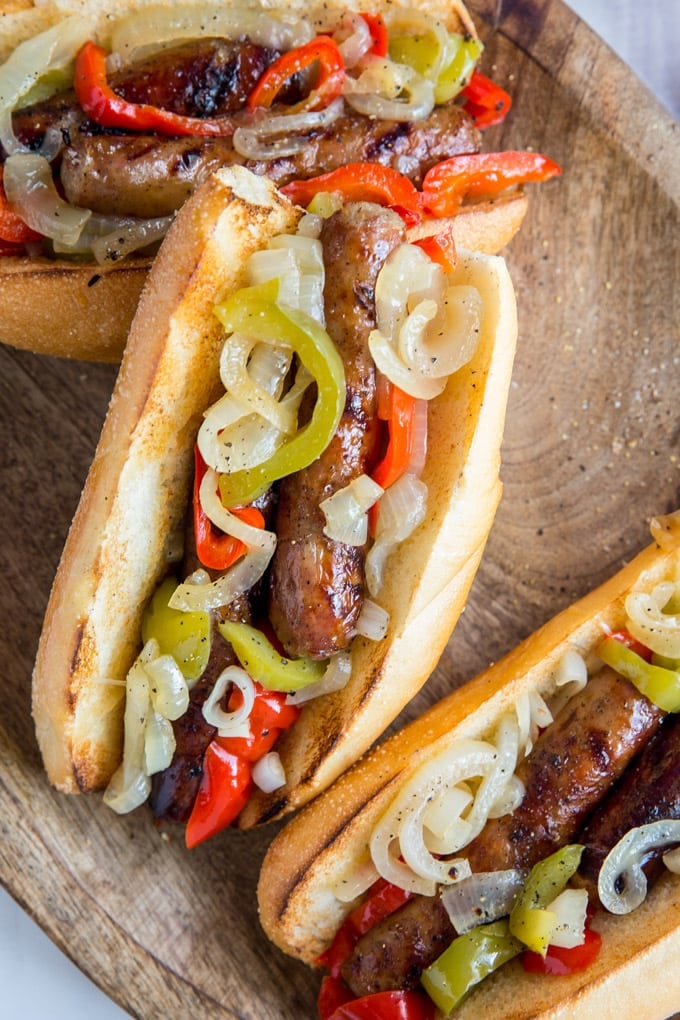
[(234, 374), (509, 798), (31, 193), (130, 784), (337, 675), (159, 743), (170, 692), (230, 724), (445, 827), (346, 511), (53, 49), (389, 91), (246, 572), (110, 238), (481, 898), (672, 861), (390, 364), (399, 843), (402, 509), (296, 260), (570, 911), (399, 833), (622, 884), (160, 24), (275, 136), (650, 624), (354, 39), (373, 621), (269, 773)]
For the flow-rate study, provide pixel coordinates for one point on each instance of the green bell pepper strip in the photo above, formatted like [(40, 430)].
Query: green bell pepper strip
[(530, 922), (659, 684), (464, 54), (264, 664), (185, 636), (468, 960), (253, 311)]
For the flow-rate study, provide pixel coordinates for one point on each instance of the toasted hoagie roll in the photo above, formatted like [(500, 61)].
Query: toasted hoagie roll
[(106, 605), (113, 114), (422, 862)]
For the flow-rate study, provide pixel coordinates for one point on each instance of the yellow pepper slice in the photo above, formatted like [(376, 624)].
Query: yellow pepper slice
[(268, 667), (253, 311), (530, 922), (659, 684), (185, 636)]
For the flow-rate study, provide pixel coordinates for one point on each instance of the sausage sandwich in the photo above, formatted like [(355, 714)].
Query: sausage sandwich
[(334, 396), (512, 853), (112, 117)]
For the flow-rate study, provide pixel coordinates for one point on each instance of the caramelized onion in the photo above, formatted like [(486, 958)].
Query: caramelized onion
[(622, 884)]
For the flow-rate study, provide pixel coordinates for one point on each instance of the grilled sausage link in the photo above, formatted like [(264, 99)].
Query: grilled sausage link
[(570, 770), (203, 78), (148, 176), (317, 584), (648, 792)]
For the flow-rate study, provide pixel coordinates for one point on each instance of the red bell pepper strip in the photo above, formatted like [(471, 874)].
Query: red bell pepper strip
[(214, 549), (441, 248), (322, 50), (487, 103), (401, 408), (332, 994), (224, 791), (564, 961), (13, 229), (368, 182), (105, 107), (269, 716), (379, 35), (480, 174), (386, 1006)]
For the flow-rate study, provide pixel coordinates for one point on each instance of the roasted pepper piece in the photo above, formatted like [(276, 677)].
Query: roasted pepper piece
[(185, 636), (265, 664), (660, 685), (530, 921), (253, 310)]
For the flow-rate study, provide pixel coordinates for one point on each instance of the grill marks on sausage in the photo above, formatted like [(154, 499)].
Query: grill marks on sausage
[(317, 584), (568, 773), (649, 791)]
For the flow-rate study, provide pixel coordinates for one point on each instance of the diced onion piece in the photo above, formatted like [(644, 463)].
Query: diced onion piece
[(346, 511), (389, 91), (269, 773), (53, 49), (159, 24), (230, 724), (402, 509), (373, 621), (570, 910), (622, 884), (571, 671), (480, 898), (170, 692), (159, 743), (30, 191), (337, 675), (274, 136), (355, 881), (650, 624)]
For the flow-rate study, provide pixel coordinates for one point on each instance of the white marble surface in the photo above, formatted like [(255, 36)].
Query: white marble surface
[(37, 981)]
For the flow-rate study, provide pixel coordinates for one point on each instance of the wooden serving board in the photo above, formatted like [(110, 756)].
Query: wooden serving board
[(590, 454)]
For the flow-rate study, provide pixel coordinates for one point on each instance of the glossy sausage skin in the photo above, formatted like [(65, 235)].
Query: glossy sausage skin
[(648, 792), (570, 770), (317, 584), (148, 176)]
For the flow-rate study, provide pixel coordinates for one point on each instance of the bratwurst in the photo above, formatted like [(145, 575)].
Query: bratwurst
[(570, 770)]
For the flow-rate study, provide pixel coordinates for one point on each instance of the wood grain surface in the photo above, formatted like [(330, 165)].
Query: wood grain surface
[(590, 453)]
